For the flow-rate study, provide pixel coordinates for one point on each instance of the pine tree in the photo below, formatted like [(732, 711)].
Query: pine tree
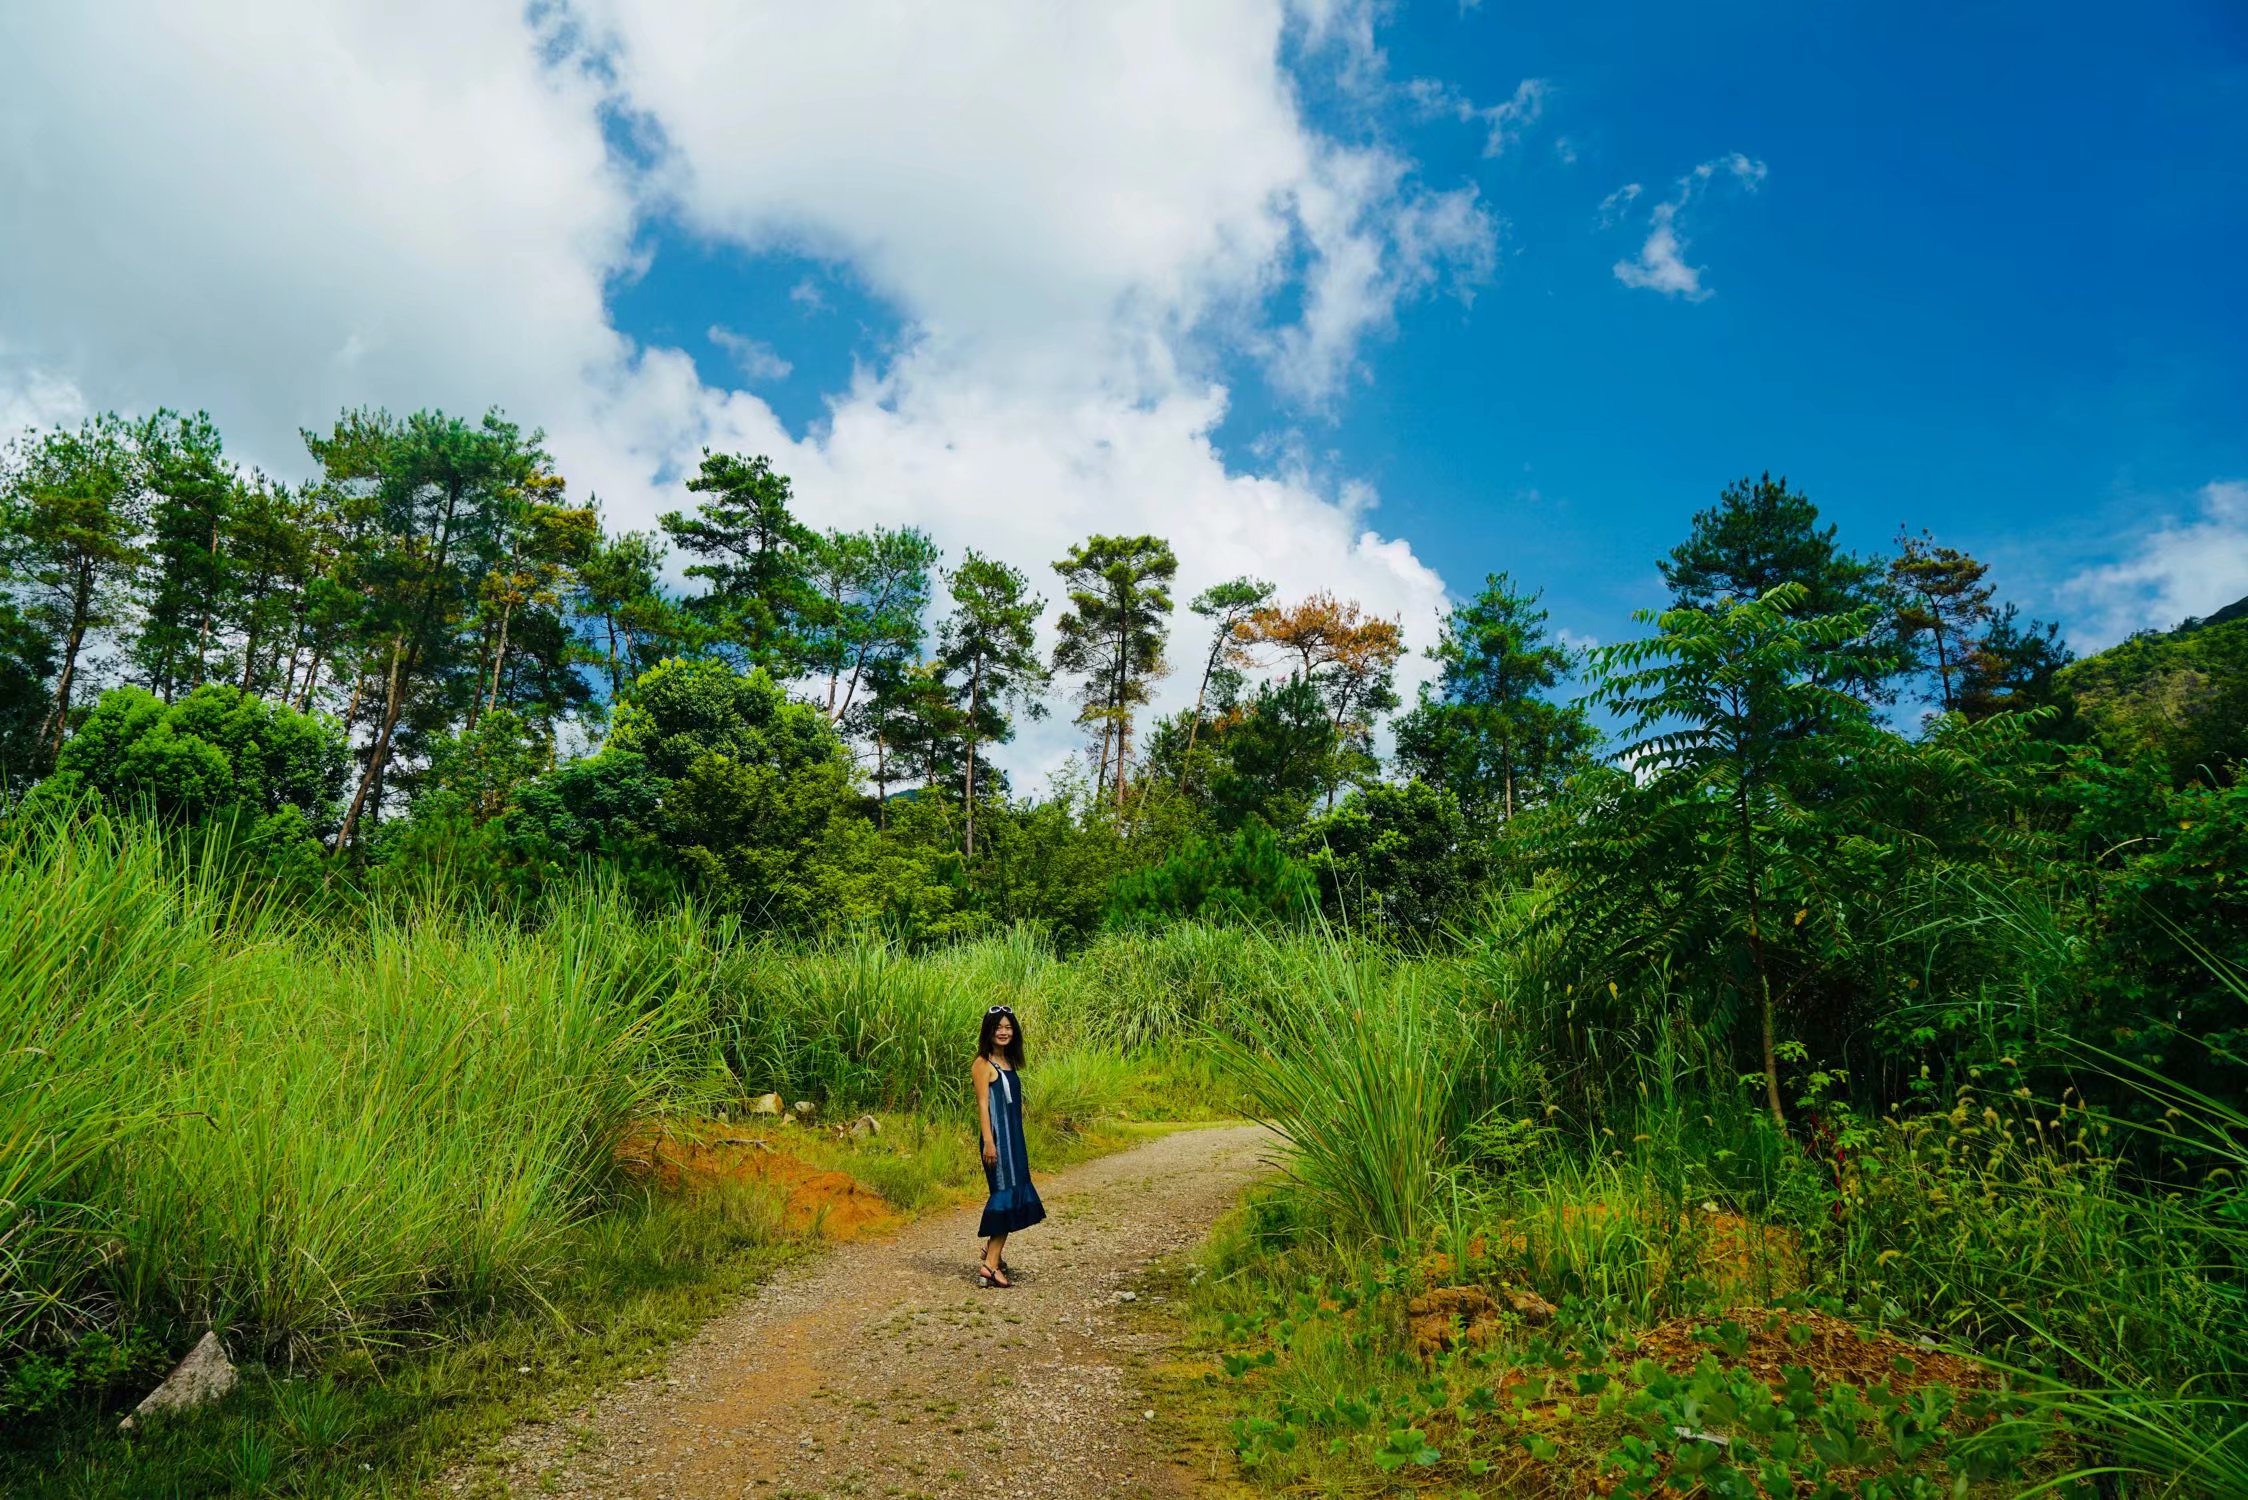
[(1112, 637), (755, 556), (429, 499), (1228, 606), (75, 507), (869, 591), (191, 492), (1487, 733), (1942, 605), (990, 647)]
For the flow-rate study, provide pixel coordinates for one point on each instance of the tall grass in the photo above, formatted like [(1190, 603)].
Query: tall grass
[(302, 1134), (1361, 1076)]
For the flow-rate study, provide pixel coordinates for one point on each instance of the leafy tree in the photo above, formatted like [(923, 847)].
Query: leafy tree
[(1942, 606), (486, 765), (1228, 606), (428, 500), (2013, 667), (74, 508), (1401, 859), (870, 590), (1349, 658), (756, 786), (1280, 756), (26, 661), (1112, 635), (521, 597), (270, 559), (1244, 876), (1487, 733), (620, 594), (990, 647), (1740, 778), (912, 721), (214, 750), (1762, 534), (755, 556), (191, 494)]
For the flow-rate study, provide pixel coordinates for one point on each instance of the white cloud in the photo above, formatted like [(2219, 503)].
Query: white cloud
[(1073, 210), (807, 295), (33, 399), (757, 359), (1661, 264), (2183, 568), (1504, 123)]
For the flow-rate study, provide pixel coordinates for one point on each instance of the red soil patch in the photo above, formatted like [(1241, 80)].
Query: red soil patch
[(833, 1205), (1834, 1352)]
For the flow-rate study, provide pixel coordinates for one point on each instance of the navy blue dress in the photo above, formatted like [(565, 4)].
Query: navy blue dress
[(1014, 1202)]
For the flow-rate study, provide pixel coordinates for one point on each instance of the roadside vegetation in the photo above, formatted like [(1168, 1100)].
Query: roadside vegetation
[(1798, 1049)]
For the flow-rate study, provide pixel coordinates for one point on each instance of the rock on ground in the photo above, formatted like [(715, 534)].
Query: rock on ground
[(879, 1369), (202, 1377)]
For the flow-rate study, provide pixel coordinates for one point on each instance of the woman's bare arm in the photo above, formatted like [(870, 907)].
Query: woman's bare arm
[(984, 1073)]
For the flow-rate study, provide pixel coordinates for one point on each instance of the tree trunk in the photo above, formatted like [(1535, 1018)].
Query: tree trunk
[(975, 693), (1763, 972), (499, 659), (881, 783), (379, 751)]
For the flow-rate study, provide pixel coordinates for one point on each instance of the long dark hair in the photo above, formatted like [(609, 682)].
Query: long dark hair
[(986, 1043)]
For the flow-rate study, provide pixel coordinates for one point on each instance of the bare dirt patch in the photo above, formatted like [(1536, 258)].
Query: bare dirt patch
[(832, 1205)]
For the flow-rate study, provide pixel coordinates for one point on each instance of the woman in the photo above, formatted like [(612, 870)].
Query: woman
[(999, 1104)]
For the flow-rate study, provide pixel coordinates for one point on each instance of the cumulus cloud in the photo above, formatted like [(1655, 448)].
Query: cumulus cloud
[(1661, 263), (1074, 212), (2185, 567)]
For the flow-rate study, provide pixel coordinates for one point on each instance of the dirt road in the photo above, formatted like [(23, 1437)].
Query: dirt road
[(880, 1370)]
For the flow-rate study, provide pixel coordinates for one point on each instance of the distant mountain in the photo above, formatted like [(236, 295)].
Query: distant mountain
[(2181, 693)]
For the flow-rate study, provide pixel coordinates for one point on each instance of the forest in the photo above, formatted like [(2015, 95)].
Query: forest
[(384, 847)]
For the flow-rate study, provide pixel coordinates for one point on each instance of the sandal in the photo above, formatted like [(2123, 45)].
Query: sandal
[(986, 1277)]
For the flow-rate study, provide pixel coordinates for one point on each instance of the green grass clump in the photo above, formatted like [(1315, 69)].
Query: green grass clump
[(308, 1137)]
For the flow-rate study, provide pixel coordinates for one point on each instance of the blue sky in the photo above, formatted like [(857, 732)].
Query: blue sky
[(1990, 285), (1375, 297)]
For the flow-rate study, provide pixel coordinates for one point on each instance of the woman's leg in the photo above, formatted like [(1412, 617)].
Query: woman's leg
[(993, 1249)]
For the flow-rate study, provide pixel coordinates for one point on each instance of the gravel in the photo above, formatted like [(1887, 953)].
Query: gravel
[(880, 1369)]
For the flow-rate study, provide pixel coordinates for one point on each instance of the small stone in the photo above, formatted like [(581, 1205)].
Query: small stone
[(1148, 1415), (866, 1125), (765, 1104), (1127, 1296), (203, 1377), (804, 1109)]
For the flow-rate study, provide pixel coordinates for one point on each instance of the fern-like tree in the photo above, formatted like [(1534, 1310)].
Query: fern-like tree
[(1740, 786)]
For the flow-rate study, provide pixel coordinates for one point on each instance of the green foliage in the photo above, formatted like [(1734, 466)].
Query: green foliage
[(1112, 636), (1278, 758), (2173, 930), (2181, 696), (218, 749), (1485, 732), (1243, 876), (754, 554), (758, 793), (1401, 860)]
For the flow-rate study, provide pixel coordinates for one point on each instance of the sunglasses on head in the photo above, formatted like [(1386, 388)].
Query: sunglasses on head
[(1000, 1010)]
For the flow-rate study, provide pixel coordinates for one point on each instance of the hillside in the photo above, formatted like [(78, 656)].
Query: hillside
[(2181, 693)]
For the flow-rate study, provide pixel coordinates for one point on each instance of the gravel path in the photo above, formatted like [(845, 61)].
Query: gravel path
[(880, 1370)]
